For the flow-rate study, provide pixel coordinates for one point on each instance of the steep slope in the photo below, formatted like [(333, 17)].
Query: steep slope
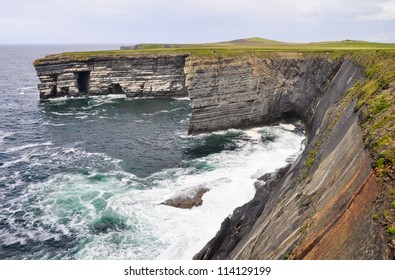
[(322, 206)]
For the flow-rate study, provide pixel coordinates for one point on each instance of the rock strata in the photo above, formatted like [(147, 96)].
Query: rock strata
[(248, 91), (322, 206), (161, 76)]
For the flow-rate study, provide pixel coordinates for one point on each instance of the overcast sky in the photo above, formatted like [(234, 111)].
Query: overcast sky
[(194, 21)]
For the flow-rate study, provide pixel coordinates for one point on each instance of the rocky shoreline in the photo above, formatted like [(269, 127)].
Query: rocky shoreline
[(319, 207)]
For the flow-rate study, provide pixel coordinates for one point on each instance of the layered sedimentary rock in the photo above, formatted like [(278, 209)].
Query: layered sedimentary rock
[(133, 76), (320, 207), (241, 92)]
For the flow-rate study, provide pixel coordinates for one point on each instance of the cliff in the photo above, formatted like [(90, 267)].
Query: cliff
[(242, 92), (321, 206), (133, 76)]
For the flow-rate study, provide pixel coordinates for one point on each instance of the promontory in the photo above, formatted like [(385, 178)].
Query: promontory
[(337, 199)]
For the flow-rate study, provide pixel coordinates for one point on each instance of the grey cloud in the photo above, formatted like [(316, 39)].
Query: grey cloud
[(122, 21)]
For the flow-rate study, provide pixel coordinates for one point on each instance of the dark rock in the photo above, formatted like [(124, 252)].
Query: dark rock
[(192, 198), (259, 184), (266, 177)]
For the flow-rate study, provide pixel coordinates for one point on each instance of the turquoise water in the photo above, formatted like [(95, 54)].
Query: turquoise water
[(85, 178)]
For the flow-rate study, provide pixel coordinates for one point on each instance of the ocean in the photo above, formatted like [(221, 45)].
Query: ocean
[(85, 178)]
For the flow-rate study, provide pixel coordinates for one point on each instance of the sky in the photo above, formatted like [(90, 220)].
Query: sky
[(193, 21)]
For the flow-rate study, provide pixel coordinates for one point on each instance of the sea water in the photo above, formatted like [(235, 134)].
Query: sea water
[(85, 178)]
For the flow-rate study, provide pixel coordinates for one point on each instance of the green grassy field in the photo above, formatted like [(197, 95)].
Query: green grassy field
[(258, 46)]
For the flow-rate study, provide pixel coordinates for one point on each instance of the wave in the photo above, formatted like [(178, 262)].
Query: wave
[(96, 210), (27, 90), (4, 135), (162, 112), (23, 147), (180, 98), (62, 114), (53, 124), (23, 158)]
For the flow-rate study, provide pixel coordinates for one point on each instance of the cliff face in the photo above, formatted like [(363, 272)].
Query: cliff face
[(133, 76), (241, 92), (320, 207)]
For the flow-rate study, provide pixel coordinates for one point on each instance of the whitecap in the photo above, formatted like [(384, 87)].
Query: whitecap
[(161, 112), (253, 134), (62, 114), (287, 126), (23, 158), (53, 124), (4, 135), (23, 147), (181, 98), (27, 89)]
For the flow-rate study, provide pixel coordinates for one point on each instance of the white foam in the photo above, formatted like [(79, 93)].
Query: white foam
[(152, 230), (4, 135), (181, 98), (62, 114), (287, 126), (27, 89), (23, 158), (164, 232), (161, 112), (253, 134), (108, 96), (62, 99), (53, 124), (23, 147), (200, 224)]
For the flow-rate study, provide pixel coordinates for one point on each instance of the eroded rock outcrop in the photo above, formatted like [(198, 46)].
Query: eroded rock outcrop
[(134, 76)]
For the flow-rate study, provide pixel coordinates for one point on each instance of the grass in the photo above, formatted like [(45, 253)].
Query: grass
[(376, 104), (257, 46)]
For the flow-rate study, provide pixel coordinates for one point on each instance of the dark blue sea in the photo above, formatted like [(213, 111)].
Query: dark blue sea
[(84, 178)]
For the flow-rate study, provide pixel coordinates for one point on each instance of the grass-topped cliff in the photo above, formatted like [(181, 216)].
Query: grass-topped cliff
[(258, 46), (375, 95)]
